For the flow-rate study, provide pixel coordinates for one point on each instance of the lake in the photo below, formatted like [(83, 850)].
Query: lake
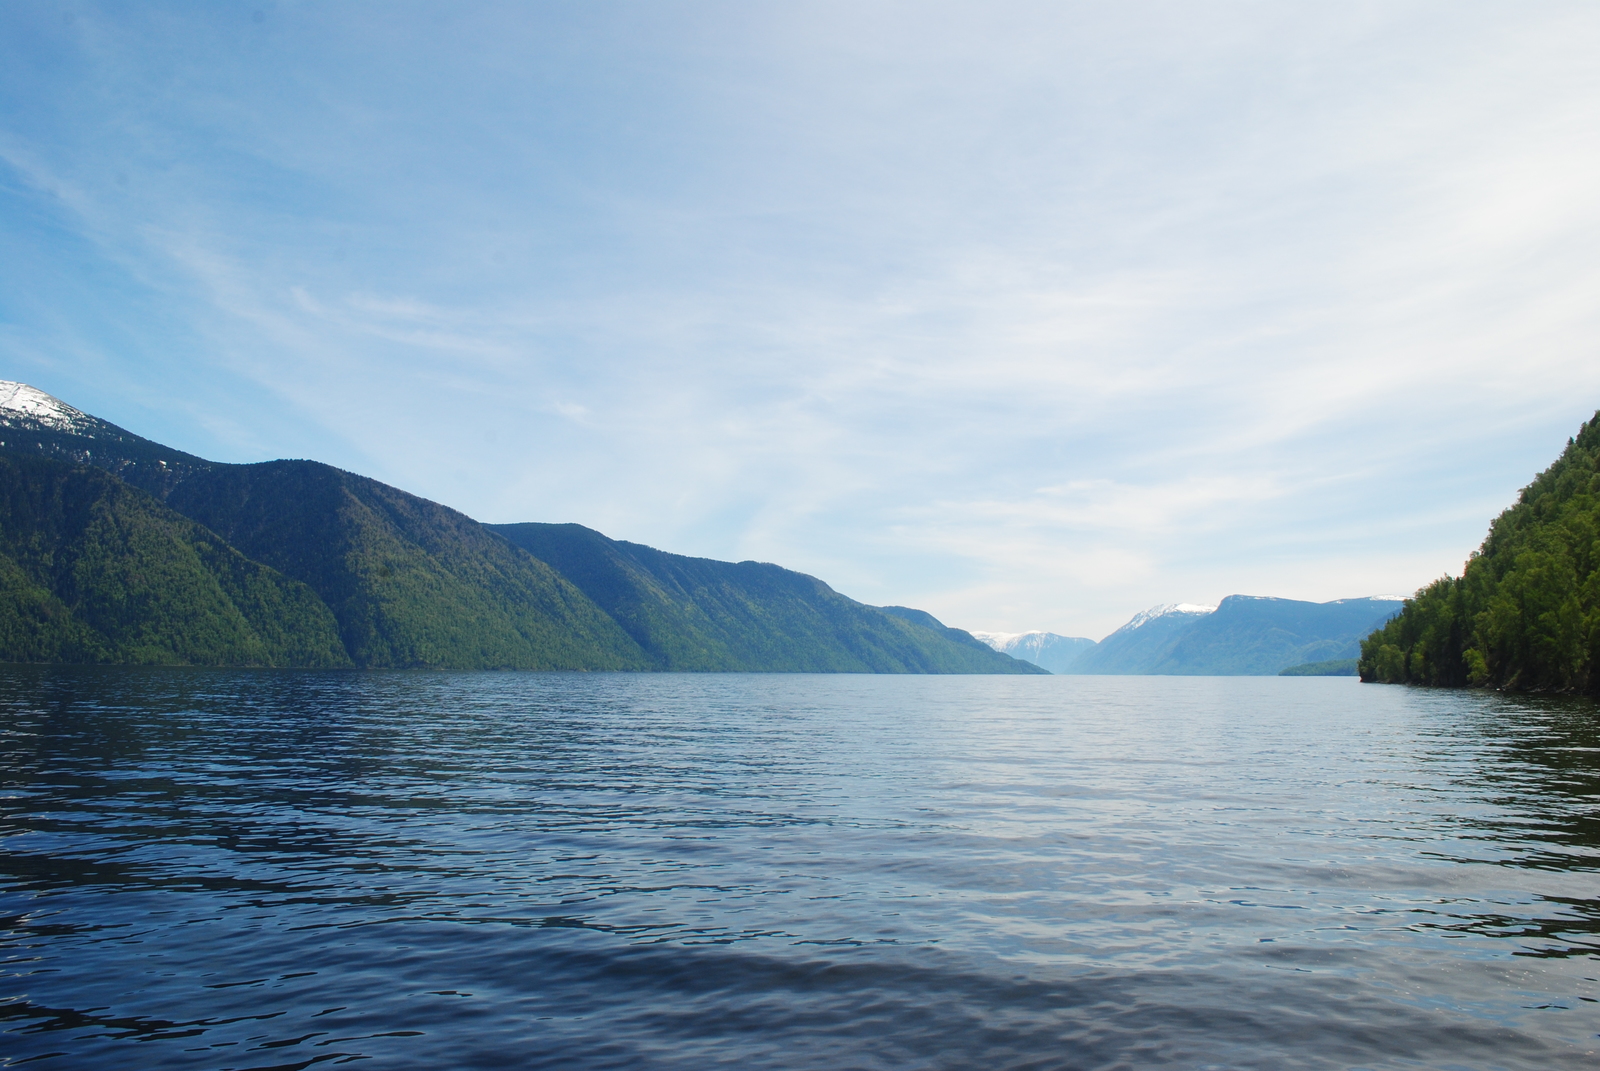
[(212, 869)]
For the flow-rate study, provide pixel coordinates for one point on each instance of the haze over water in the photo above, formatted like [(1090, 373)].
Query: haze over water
[(210, 869)]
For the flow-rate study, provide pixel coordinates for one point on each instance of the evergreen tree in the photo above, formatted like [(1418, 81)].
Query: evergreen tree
[(1525, 613)]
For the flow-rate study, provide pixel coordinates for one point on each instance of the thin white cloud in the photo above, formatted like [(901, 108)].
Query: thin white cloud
[(1032, 314)]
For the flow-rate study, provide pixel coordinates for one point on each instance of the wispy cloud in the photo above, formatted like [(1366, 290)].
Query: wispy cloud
[(1032, 314)]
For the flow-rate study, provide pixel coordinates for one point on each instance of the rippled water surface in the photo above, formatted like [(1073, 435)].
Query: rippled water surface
[(271, 870)]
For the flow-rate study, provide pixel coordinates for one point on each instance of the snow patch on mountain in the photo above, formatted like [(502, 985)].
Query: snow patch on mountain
[(1001, 640), (1164, 610), (19, 399)]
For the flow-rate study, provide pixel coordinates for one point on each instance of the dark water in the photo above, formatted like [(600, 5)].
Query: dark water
[(253, 870)]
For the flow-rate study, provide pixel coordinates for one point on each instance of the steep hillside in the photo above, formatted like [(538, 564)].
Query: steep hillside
[(411, 583), (33, 422), (92, 570), (1525, 612), (699, 614)]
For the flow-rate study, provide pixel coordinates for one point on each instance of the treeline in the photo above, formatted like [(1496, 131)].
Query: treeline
[(1525, 613)]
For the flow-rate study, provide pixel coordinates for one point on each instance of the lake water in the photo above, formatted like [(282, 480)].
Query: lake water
[(210, 869)]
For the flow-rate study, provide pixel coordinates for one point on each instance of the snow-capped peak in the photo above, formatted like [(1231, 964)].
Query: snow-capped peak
[(1000, 640), (19, 399), (1163, 610)]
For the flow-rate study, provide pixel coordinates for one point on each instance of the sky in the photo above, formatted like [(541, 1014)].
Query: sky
[(1029, 315)]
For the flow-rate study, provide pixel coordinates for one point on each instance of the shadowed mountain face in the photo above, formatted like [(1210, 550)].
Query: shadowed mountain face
[(92, 570), (403, 582), (411, 582), (700, 614)]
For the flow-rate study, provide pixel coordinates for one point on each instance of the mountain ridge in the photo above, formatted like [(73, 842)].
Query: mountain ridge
[(411, 583), (700, 614)]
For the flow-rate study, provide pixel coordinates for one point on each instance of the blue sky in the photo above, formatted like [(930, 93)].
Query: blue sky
[(1031, 315)]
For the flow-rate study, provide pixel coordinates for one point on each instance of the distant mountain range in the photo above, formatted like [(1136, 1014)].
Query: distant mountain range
[(1244, 635), (117, 549)]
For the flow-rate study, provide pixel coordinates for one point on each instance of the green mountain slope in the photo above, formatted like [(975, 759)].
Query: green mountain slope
[(1525, 612), (412, 583), (92, 570), (698, 614)]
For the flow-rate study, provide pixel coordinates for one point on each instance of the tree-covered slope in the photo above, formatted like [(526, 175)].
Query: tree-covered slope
[(1525, 612), (699, 614), (92, 570), (412, 583), (32, 422)]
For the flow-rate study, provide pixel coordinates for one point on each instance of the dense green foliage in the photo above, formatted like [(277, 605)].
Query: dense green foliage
[(1525, 612), (1338, 667), (92, 570), (412, 583), (698, 614)]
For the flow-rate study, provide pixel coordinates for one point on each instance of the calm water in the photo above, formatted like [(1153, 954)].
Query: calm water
[(272, 870)]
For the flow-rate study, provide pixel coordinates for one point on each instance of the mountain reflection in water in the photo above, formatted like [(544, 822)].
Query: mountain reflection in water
[(211, 869)]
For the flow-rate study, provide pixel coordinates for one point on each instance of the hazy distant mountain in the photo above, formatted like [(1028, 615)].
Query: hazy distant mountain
[(1337, 667), (1252, 634), (1244, 635), (1045, 649), (1137, 646), (273, 563)]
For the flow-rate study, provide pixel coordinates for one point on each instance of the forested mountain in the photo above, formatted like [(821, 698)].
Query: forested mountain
[(1244, 635), (1045, 649), (1525, 612), (401, 581), (700, 614), (92, 570)]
